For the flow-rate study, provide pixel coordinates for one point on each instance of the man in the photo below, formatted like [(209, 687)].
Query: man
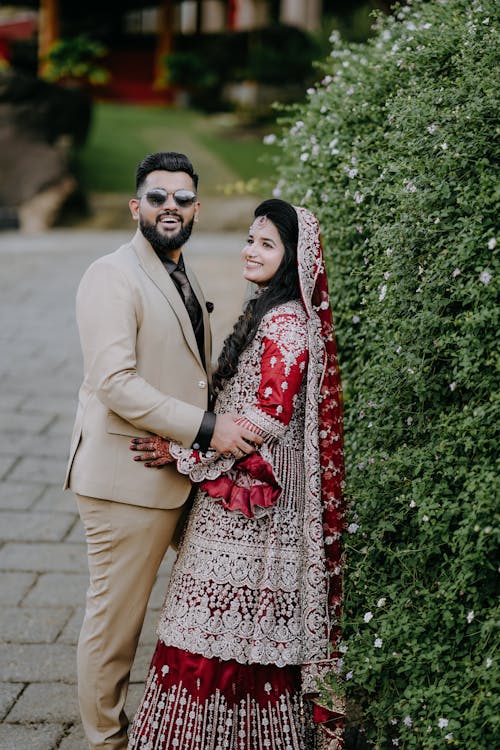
[(145, 337)]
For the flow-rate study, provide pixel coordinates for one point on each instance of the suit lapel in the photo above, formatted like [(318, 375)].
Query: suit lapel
[(154, 268)]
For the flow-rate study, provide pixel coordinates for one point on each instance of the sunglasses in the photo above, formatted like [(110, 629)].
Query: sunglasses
[(158, 196)]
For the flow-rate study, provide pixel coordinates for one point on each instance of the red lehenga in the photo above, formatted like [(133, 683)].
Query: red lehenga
[(250, 618)]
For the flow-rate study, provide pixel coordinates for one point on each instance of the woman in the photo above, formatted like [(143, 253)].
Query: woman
[(252, 606)]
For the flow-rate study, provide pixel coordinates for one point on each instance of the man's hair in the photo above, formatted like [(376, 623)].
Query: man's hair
[(169, 161)]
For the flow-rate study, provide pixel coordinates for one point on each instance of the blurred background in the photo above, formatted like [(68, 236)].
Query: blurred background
[(86, 90)]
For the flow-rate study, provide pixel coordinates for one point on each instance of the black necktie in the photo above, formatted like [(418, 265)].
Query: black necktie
[(192, 306), (187, 293)]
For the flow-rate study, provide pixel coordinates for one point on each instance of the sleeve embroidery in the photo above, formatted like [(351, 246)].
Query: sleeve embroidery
[(283, 362), (284, 359)]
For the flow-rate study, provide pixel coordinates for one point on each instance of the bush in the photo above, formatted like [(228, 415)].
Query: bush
[(395, 152)]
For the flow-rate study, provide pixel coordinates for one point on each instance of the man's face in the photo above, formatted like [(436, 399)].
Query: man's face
[(166, 226)]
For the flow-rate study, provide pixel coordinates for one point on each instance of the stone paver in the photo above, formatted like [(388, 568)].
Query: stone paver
[(43, 737), (43, 571), (32, 624)]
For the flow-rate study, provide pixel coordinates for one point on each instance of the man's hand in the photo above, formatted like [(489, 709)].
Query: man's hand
[(230, 437)]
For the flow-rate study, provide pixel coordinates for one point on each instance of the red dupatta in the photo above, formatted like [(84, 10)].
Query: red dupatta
[(325, 471)]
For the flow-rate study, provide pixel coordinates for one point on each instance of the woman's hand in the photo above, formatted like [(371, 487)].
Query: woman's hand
[(157, 451)]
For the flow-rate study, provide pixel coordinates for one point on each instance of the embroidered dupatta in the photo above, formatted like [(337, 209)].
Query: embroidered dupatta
[(324, 489)]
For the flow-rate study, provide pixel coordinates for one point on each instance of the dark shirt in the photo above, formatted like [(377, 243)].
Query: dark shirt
[(204, 435)]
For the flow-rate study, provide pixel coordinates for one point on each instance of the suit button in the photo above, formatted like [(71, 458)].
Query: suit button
[(202, 384)]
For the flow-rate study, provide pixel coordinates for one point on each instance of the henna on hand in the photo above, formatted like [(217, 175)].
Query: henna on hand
[(157, 451)]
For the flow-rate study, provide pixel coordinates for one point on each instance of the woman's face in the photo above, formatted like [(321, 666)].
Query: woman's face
[(263, 252)]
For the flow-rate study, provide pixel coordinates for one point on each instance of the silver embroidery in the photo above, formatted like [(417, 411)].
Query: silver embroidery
[(184, 721), (247, 589)]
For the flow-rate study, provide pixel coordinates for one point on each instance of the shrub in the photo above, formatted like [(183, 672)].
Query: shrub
[(76, 59), (395, 152)]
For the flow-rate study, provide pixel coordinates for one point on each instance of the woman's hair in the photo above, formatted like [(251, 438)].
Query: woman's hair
[(283, 286)]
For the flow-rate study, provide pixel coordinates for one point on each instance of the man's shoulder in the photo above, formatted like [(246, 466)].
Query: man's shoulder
[(121, 258)]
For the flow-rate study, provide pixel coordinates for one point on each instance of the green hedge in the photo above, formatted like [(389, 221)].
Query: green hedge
[(395, 151)]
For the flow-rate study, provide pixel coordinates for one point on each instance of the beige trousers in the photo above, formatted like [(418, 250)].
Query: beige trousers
[(125, 544)]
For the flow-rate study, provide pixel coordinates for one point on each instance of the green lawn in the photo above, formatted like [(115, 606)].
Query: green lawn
[(121, 135)]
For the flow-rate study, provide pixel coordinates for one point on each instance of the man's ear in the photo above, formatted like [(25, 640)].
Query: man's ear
[(133, 204)]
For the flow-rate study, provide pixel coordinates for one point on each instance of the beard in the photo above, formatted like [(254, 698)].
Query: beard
[(161, 244)]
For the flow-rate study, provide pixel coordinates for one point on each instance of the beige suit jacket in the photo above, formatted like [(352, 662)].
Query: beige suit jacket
[(142, 374)]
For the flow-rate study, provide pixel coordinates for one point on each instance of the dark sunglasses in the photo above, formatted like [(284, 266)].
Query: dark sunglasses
[(158, 196)]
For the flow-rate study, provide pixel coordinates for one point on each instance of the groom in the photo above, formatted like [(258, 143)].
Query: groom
[(145, 337)]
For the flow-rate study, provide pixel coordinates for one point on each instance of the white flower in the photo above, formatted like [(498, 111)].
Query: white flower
[(352, 528), (359, 197), (377, 643), (389, 252), (456, 272), (349, 675), (355, 319), (485, 277), (425, 518), (343, 648), (381, 602), (311, 91), (442, 723), (367, 616), (413, 504), (453, 386), (410, 187), (352, 173), (399, 350), (444, 146), (489, 662), (383, 292), (407, 721), (470, 616), (304, 156), (395, 742), (411, 371), (269, 139), (387, 275), (277, 192), (449, 736), (432, 128), (394, 722), (492, 243), (409, 421)]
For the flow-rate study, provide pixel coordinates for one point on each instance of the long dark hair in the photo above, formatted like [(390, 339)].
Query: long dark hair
[(283, 286)]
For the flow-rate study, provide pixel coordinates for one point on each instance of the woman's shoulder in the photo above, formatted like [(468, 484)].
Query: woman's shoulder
[(293, 310), (287, 322)]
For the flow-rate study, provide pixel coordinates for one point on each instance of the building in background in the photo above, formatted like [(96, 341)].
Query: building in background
[(140, 34)]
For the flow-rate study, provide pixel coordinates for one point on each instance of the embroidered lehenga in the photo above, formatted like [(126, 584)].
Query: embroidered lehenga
[(250, 616)]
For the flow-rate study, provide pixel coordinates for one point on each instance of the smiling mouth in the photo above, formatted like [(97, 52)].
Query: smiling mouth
[(253, 264), (168, 220)]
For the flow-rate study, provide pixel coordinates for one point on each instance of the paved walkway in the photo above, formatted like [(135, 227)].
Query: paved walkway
[(42, 551)]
